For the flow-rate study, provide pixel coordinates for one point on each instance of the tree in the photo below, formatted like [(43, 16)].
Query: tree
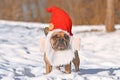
[(110, 16)]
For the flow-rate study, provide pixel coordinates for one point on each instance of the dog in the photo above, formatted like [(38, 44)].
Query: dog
[(60, 54)]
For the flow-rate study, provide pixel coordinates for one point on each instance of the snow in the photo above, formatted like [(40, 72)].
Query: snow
[(21, 59)]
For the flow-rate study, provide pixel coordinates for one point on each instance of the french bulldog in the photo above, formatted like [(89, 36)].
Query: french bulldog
[(59, 51)]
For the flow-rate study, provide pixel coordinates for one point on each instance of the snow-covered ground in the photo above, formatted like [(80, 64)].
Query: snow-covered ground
[(21, 59)]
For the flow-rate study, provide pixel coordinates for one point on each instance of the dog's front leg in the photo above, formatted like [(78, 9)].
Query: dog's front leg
[(76, 61), (48, 66), (68, 68)]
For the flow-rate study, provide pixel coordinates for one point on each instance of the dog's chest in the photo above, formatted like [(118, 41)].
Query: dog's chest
[(60, 57)]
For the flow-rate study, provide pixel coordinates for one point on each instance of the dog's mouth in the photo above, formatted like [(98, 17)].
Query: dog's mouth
[(60, 45)]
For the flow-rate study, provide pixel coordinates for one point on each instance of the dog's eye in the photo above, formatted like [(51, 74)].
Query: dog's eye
[(66, 36), (55, 36)]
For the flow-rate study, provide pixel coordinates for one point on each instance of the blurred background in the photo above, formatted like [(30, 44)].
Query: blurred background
[(82, 12)]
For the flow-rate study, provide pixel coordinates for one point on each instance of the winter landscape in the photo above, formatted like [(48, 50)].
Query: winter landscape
[(21, 59)]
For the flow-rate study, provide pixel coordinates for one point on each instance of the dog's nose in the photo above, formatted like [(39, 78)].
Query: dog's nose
[(61, 40)]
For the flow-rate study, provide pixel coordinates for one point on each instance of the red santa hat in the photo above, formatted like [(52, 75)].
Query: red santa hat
[(60, 19)]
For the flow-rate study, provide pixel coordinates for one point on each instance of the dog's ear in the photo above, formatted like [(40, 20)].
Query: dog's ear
[(46, 30)]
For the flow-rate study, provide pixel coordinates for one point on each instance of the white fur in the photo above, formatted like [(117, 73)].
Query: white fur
[(57, 58), (61, 57), (75, 43), (42, 44)]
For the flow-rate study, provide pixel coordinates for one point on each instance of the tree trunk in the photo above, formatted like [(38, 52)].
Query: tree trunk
[(110, 16)]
